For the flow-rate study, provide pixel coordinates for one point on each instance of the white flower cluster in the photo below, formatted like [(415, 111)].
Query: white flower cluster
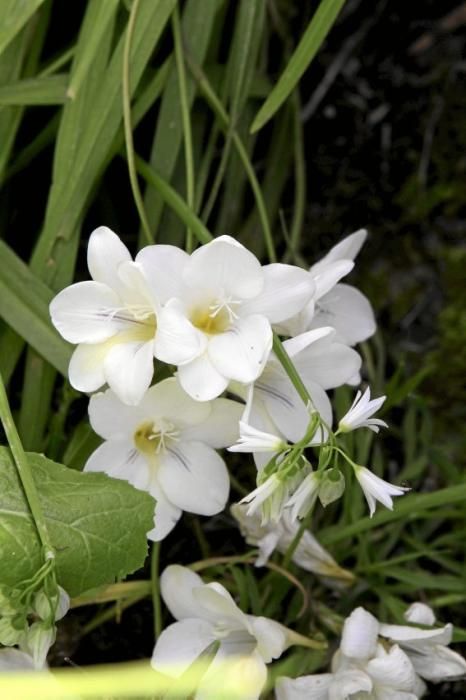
[(382, 662), (212, 315)]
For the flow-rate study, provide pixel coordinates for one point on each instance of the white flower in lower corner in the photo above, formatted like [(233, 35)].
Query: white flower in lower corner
[(376, 489), (359, 415), (427, 649), (166, 446), (207, 613), (309, 554)]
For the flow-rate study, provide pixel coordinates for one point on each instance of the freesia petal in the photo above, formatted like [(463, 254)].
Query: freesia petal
[(417, 638), (167, 400), (128, 369), (241, 352), (440, 664), (120, 459), (393, 669), (347, 249), (180, 645), (359, 636), (111, 418), (304, 688), (247, 672), (286, 291), (194, 477), (326, 278), (105, 252), (177, 341), (166, 514), (86, 369), (220, 429), (348, 311), (420, 613), (217, 605), (163, 266), (201, 380), (349, 682), (329, 364), (86, 312), (177, 584), (294, 346), (15, 660), (225, 265), (272, 638)]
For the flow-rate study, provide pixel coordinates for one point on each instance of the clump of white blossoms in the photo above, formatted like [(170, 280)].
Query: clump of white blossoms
[(166, 446), (205, 614), (368, 666)]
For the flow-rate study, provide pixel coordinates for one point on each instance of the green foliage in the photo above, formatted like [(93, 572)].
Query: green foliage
[(97, 525)]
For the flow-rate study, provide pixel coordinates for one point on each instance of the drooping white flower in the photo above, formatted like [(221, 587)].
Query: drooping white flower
[(376, 489), (359, 415), (309, 554), (334, 304), (270, 497), (112, 319), (207, 613), (166, 446), (304, 497), (275, 405), (216, 324), (427, 649)]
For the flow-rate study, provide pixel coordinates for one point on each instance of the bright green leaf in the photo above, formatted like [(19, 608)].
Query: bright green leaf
[(307, 48), (97, 525)]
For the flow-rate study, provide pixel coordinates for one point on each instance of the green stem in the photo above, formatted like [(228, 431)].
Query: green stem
[(155, 589), (290, 369), (173, 199), (296, 540), (225, 124), (187, 135), (24, 472), (127, 124)]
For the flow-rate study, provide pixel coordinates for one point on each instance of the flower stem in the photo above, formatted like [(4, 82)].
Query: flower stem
[(290, 369), (155, 589), (296, 540), (24, 471), (127, 124)]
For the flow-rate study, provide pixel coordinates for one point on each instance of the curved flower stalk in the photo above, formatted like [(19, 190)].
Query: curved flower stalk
[(309, 554), (366, 666), (334, 304), (166, 446), (112, 319), (216, 323), (207, 614)]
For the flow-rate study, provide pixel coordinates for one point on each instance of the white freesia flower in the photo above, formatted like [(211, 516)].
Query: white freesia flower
[(207, 613), (275, 405), (166, 446), (112, 319), (362, 667), (253, 440), (216, 324), (359, 415), (309, 554), (334, 304), (376, 489), (427, 649)]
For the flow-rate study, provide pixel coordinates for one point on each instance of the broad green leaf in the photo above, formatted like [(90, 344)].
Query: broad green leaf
[(97, 525), (307, 48), (24, 302), (50, 90), (14, 15)]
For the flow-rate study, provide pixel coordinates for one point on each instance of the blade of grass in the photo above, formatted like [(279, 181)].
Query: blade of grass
[(50, 90), (14, 16), (307, 48)]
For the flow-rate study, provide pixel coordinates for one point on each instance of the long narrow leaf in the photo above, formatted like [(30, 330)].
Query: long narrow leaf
[(14, 15), (307, 48), (50, 90)]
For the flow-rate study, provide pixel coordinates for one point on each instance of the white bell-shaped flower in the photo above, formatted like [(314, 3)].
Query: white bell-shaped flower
[(166, 446), (207, 613), (377, 489), (335, 304), (361, 412), (216, 324), (112, 319)]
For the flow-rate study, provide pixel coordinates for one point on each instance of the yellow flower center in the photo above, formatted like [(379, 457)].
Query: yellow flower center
[(151, 438), (215, 318)]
